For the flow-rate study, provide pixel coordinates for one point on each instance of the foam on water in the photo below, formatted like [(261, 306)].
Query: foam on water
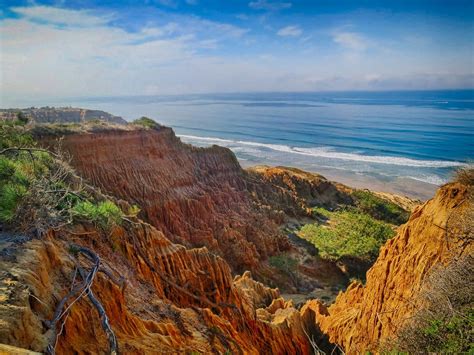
[(331, 153)]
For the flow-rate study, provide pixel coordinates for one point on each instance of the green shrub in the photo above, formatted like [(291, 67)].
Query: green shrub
[(146, 122), (452, 335), (133, 211), (348, 233), (7, 168), (105, 214), (379, 208), (10, 196), (22, 118), (283, 263), (13, 134)]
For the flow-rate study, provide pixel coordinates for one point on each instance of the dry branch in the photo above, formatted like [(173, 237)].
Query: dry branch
[(76, 293)]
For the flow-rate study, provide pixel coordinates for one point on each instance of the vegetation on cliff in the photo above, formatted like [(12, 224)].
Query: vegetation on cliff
[(445, 321), (146, 122), (183, 299), (347, 233), (445, 325), (38, 190), (417, 297), (380, 208)]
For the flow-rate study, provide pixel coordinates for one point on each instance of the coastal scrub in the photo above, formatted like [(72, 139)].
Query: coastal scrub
[(347, 233)]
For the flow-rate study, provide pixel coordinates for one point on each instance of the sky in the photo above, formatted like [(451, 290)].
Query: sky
[(87, 48)]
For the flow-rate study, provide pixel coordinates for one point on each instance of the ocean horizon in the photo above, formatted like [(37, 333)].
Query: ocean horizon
[(408, 142)]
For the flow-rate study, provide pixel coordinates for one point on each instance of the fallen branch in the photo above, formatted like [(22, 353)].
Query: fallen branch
[(76, 293), (316, 349), (103, 317)]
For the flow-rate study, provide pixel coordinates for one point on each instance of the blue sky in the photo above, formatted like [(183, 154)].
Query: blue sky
[(88, 48)]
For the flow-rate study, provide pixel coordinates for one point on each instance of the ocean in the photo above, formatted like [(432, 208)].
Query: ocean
[(407, 142)]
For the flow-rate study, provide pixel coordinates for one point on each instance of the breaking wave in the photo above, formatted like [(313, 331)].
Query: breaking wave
[(329, 153)]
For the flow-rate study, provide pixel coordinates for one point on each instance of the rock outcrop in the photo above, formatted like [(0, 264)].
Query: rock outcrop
[(173, 300), (294, 191), (364, 316)]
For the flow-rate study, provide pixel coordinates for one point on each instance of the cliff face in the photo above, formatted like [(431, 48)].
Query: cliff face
[(170, 299), (363, 316), (196, 197), (293, 190)]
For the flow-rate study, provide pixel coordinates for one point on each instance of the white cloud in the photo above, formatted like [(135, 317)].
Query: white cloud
[(290, 31), (223, 28), (351, 40), (60, 16), (269, 6)]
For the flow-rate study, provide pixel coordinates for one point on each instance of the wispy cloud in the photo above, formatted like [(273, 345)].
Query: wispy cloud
[(59, 16), (56, 52), (290, 31), (351, 40), (269, 5), (167, 3)]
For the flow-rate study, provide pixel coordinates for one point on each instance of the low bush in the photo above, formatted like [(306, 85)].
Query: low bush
[(146, 122), (22, 118), (104, 214), (10, 196), (465, 175), (379, 208), (283, 263), (444, 322), (348, 234)]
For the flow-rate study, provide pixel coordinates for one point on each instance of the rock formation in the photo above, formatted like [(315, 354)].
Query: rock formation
[(200, 196), (167, 299), (294, 191), (364, 316)]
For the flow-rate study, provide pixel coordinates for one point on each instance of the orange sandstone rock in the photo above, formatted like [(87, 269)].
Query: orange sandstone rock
[(363, 316), (175, 300)]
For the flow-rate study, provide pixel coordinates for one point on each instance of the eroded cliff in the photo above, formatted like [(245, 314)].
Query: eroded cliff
[(202, 197), (163, 297), (159, 297), (362, 317)]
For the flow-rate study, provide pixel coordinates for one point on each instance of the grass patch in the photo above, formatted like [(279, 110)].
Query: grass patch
[(349, 233), (379, 208)]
